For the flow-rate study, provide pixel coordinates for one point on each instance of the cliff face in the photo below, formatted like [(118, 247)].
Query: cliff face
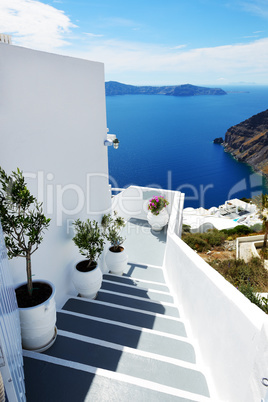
[(116, 88), (248, 141)]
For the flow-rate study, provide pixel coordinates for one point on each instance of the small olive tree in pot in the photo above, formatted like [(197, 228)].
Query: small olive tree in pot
[(116, 258), (23, 223), (87, 276)]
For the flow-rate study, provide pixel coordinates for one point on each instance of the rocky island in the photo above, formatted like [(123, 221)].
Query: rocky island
[(116, 88), (248, 142)]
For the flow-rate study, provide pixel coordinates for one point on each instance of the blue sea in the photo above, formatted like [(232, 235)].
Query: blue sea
[(167, 142)]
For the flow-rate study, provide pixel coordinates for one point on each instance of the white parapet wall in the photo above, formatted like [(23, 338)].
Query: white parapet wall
[(253, 241), (132, 202), (231, 331), (53, 127)]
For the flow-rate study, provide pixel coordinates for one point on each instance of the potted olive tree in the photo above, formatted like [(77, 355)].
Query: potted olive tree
[(87, 275), (23, 223), (116, 257)]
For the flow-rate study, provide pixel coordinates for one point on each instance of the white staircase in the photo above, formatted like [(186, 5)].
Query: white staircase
[(128, 344)]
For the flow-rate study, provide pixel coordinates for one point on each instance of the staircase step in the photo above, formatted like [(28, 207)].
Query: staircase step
[(136, 282), (142, 319), (138, 303), (69, 383), (134, 365), (134, 291), (147, 341), (144, 272)]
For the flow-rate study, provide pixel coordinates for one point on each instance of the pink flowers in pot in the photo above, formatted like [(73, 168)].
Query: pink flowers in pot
[(157, 204)]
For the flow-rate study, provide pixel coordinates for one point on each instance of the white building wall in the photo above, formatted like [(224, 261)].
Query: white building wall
[(53, 126), (229, 329)]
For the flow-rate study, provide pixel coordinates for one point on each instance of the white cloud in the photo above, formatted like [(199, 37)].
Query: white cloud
[(257, 7), (92, 35), (37, 25), (178, 47), (34, 24), (239, 60)]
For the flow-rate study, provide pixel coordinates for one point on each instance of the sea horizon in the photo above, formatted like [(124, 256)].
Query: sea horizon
[(167, 142)]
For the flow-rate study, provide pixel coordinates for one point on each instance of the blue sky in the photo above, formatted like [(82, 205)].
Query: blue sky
[(153, 42)]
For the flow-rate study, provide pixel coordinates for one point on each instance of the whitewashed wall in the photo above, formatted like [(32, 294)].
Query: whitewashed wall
[(53, 126), (229, 329), (133, 201)]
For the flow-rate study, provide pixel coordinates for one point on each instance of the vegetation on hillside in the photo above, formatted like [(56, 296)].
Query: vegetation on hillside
[(206, 241), (250, 278)]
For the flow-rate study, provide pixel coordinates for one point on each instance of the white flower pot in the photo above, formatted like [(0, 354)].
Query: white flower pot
[(38, 323), (116, 261), (87, 283), (157, 222)]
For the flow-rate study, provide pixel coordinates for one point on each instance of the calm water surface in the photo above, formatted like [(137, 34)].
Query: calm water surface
[(167, 142)]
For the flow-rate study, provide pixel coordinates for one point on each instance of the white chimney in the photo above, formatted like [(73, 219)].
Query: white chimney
[(5, 39)]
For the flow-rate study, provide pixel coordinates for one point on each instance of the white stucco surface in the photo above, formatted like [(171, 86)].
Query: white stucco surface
[(226, 324), (53, 127), (200, 224), (132, 202)]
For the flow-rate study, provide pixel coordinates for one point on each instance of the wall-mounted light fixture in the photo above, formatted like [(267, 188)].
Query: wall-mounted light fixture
[(111, 140), (116, 143)]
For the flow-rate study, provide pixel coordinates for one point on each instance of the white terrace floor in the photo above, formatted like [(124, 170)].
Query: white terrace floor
[(129, 344)]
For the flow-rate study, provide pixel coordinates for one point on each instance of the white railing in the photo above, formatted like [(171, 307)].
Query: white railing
[(11, 362)]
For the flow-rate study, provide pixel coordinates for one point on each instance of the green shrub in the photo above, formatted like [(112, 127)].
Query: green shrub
[(258, 227), (186, 229), (238, 230), (214, 237), (264, 253), (248, 278), (239, 272), (250, 293), (196, 242), (264, 301), (204, 241), (246, 199)]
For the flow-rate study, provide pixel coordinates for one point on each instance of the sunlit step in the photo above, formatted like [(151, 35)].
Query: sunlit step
[(127, 336), (84, 351), (127, 315)]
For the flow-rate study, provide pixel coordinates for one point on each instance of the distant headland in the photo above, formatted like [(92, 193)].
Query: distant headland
[(116, 88), (248, 142)]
